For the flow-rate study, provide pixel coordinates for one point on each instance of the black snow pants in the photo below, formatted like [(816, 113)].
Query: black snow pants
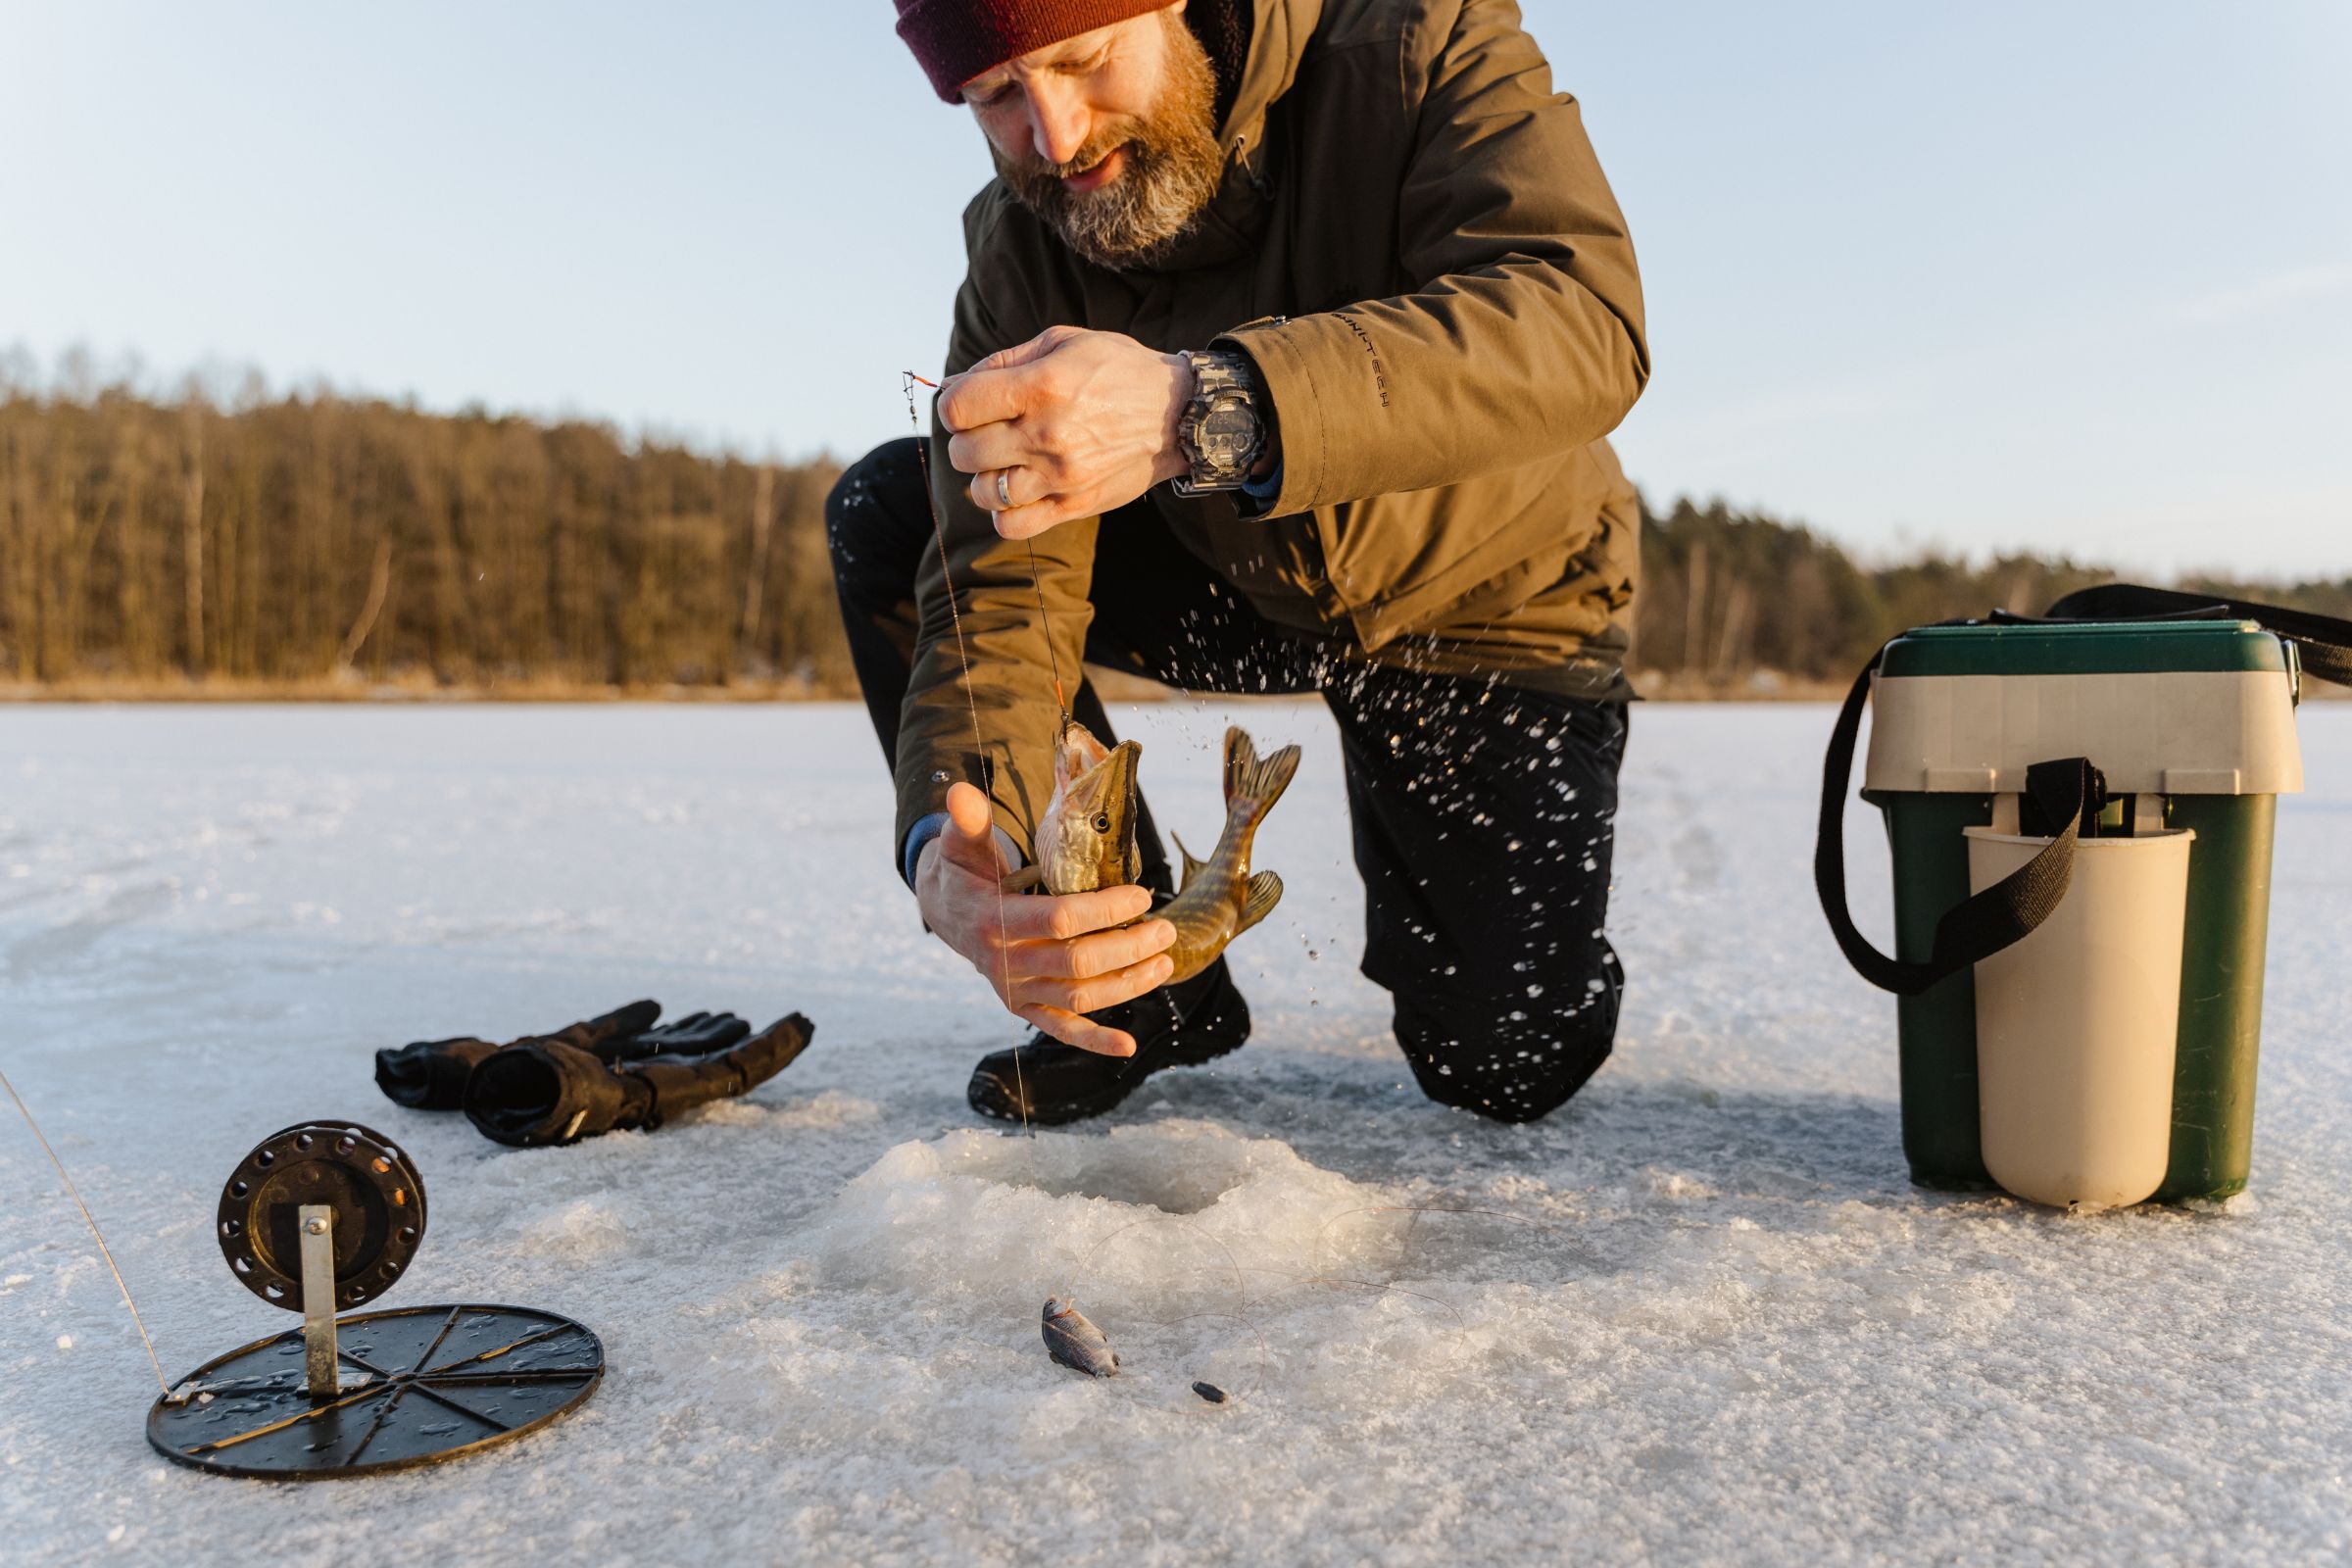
[(1481, 813)]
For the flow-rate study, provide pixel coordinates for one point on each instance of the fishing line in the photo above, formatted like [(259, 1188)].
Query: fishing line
[(1053, 659), (104, 1251), (908, 385), (1266, 1358), (1241, 1287), (947, 578), (909, 382)]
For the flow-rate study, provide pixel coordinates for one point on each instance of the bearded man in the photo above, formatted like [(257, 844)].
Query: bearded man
[(1290, 338)]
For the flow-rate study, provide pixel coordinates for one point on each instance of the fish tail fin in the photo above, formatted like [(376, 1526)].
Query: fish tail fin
[(1248, 776), (1265, 892), (1240, 758)]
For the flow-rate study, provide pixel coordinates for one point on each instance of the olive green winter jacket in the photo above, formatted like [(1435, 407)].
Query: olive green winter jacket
[(1415, 245)]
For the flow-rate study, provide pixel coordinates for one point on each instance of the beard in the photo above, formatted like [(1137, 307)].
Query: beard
[(1174, 166)]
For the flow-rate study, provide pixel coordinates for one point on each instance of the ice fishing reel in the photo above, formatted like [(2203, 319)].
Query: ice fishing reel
[(320, 1217)]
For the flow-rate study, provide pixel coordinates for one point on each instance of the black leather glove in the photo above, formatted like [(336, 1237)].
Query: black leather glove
[(431, 1074), (550, 1091)]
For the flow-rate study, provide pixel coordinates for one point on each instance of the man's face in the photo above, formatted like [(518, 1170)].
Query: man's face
[(1109, 136)]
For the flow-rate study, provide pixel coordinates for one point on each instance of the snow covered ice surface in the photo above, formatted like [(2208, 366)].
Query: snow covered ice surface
[(1700, 1316)]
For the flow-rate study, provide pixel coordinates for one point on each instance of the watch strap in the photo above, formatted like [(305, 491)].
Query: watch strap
[(1215, 373)]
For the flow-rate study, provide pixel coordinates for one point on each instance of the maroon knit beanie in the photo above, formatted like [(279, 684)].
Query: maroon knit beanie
[(955, 40)]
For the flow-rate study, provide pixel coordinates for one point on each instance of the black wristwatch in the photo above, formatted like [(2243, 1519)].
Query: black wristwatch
[(1223, 428)]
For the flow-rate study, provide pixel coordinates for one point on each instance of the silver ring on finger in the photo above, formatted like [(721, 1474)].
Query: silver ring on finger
[(1004, 489)]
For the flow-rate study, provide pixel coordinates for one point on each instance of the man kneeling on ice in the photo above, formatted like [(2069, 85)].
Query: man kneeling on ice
[(1291, 333)]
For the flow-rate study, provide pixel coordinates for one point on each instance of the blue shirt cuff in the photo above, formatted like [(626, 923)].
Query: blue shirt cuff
[(1264, 491), (931, 827), (922, 833)]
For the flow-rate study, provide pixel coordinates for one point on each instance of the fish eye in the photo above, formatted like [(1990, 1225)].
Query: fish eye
[(1102, 821)]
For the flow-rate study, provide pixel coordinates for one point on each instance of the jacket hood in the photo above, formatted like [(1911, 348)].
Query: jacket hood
[(1277, 44), (1229, 224)]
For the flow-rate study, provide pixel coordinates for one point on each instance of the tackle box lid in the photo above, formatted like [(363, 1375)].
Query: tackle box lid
[(2176, 707), (2086, 648)]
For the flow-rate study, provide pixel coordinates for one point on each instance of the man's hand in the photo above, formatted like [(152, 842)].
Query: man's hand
[(1068, 425), (1051, 959)]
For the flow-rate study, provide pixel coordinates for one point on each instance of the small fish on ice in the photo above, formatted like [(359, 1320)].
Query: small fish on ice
[(1073, 1341)]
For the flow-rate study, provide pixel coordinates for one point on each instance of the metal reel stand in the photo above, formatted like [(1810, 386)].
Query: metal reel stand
[(320, 1217)]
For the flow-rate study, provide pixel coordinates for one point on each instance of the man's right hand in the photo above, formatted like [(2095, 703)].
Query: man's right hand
[(1050, 958)]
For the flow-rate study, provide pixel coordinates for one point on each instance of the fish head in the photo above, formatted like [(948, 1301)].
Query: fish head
[(1075, 750), (1087, 840), (1056, 1306)]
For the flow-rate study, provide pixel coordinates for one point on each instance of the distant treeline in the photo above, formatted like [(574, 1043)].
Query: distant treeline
[(307, 542), (1730, 599), (304, 540)]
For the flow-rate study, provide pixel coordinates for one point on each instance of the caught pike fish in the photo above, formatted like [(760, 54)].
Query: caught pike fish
[(1220, 898), (1073, 1341), (1086, 838)]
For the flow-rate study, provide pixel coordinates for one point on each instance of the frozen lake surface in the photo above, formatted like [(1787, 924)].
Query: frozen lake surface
[(1704, 1318)]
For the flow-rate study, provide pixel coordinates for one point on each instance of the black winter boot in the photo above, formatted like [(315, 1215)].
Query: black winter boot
[(1176, 1026)]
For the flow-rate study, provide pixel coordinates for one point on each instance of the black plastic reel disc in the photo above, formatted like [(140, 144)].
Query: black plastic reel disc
[(376, 1192), (442, 1382)]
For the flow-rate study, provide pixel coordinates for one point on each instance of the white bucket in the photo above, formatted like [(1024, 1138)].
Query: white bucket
[(2076, 1024)]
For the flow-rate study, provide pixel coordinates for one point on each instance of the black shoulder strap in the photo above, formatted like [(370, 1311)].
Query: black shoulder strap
[(2067, 791), (2324, 641)]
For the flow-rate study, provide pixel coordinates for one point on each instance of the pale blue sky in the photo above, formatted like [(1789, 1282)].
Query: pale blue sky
[(2077, 275)]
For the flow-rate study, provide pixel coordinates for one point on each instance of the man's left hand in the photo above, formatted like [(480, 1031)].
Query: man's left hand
[(1068, 425)]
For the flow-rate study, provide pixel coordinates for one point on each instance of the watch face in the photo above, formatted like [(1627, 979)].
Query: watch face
[(1228, 433)]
